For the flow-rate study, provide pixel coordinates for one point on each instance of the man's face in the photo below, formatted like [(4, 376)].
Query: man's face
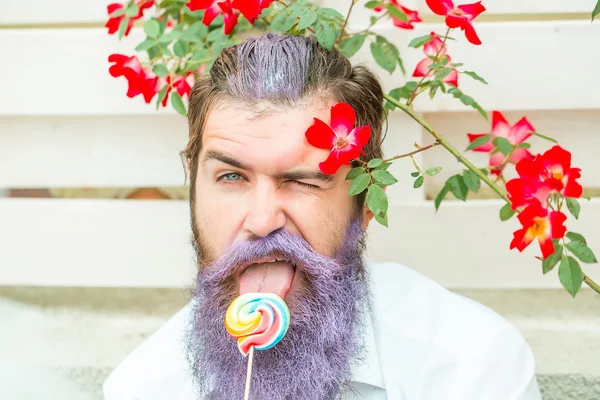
[(257, 176)]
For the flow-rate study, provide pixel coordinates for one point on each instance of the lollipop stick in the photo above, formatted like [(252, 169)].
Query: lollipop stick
[(249, 373)]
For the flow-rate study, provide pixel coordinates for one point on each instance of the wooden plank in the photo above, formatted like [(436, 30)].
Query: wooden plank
[(81, 84), (92, 151), (576, 131), (527, 7), (517, 77), (403, 132), (53, 12), (146, 243), (465, 245), (95, 243), (73, 11)]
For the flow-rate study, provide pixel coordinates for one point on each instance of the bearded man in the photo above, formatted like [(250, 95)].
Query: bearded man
[(265, 218)]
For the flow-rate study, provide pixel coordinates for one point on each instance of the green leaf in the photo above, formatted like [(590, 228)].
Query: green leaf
[(550, 262), (382, 219), (384, 54), (576, 237), (440, 196), (278, 20), (359, 184), (325, 34), (467, 100), (118, 12), (374, 163), (524, 145), (419, 182), (383, 177), (170, 36), (152, 28), (435, 66), (570, 274), (384, 166), (471, 180), (177, 103), (506, 212), (200, 54), (457, 187), (132, 9), (545, 137), (480, 141), (444, 72), (122, 27), (396, 12), (180, 48), (161, 95), (475, 76), (146, 44), (433, 171), (503, 145), (373, 3), (330, 13), (354, 172), (582, 251), (307, 20), (596, 10), (457, 64), (377, 200), (420, 41), (415, 174), (160, 70), (349, 47), (573, 206)]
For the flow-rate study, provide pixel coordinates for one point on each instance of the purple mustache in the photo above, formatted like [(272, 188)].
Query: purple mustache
[(313, 360)]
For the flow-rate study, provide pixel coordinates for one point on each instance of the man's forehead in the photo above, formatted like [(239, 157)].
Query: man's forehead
[(244, 125)]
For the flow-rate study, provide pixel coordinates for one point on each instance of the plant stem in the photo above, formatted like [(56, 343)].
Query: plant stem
[(346, 20), (412, 153), (591, 283), (441, 140), (449, 147), (414, 93)]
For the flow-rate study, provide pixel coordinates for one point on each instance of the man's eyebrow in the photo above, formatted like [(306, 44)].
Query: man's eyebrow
[(305, 174), (215, 155)]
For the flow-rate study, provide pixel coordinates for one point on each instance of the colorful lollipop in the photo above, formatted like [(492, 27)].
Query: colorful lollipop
[(257, 320)]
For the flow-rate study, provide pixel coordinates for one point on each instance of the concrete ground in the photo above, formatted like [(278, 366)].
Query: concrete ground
[(61, 343)]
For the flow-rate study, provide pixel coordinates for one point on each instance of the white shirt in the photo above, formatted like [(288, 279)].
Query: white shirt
[(424, 343)]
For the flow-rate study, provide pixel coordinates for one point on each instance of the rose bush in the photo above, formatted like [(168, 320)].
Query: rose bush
[(184, 37)]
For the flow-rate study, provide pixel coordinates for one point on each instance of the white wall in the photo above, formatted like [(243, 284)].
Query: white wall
[(65, 122)]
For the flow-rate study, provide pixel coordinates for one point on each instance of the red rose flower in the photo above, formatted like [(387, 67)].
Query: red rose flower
[(213, 9), (539, 223), (459, 17), (413, 16), (344, 140), (251, 9), (548, 173), (431, 48), (131, 69), (113, 22), (516, 134)]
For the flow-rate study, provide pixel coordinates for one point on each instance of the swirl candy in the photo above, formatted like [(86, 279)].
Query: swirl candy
[(258, 320)]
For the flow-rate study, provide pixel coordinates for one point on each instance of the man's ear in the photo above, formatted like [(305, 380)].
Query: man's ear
[(367, 214)]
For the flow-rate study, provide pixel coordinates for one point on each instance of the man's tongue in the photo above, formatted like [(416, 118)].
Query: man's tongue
[(272, 277)]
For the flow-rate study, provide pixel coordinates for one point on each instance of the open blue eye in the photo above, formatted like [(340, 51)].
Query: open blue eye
[(231, 176)]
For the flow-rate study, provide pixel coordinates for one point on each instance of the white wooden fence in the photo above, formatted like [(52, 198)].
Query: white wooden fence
[(65, 122)]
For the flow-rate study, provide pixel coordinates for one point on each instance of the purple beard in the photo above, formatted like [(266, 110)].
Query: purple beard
[(314, 358)]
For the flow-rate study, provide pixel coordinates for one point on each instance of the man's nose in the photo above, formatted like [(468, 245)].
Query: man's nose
[(265, 211)]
